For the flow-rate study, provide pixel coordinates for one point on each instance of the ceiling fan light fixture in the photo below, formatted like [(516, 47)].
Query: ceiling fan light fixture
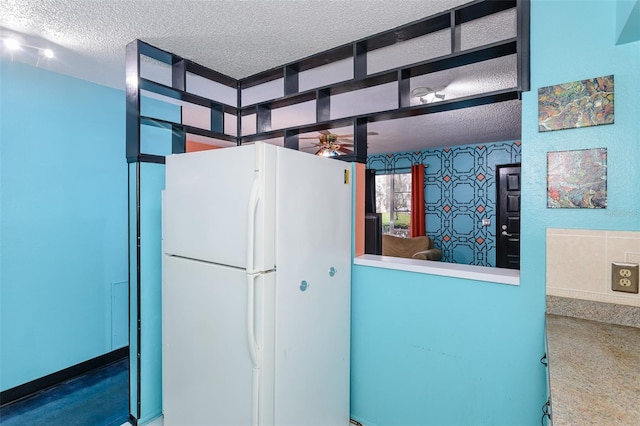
[(328, 152), (427, 95)]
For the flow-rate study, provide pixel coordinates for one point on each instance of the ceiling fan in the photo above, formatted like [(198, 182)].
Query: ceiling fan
[(332, 144)]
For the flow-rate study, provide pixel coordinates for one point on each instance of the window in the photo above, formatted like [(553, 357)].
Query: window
[(393, 200)]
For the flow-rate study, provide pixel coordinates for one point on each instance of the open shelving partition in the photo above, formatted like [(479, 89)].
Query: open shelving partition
[(135, 84), (356, 51)]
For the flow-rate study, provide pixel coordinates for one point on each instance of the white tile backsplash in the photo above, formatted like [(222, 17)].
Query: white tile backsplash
[(579, 263)]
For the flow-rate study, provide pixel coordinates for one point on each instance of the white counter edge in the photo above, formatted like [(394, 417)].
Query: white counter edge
[(455, 270)]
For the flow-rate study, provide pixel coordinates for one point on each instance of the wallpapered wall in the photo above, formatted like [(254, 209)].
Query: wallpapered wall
[(459, 191)]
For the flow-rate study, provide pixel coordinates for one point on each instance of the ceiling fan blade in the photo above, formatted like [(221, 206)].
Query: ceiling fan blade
[(345, 150), (351, 134), (344, 141), (338, 137)]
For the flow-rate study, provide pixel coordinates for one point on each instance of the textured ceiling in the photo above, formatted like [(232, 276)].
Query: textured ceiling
[(235, 37)]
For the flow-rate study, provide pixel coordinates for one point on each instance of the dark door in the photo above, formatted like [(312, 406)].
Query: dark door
[(508, 220)]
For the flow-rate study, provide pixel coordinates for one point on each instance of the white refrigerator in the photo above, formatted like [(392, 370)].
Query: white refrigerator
[(256, 288)]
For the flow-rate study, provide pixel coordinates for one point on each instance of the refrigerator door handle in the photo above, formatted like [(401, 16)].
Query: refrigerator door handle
[(254, 349), (254, 198)]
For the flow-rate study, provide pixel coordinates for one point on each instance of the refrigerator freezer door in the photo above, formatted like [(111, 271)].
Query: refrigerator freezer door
[(207, 369), (208, 205), (313, 211)]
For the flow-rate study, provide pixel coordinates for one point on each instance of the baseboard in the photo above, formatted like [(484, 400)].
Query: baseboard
[(27, 389)]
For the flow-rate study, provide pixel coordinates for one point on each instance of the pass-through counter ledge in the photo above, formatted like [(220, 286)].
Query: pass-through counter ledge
[(454, 270)]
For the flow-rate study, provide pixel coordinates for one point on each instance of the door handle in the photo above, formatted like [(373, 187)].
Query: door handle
[(254, 198), (504, 233)]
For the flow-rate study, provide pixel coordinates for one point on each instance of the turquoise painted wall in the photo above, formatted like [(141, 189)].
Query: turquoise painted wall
[(148, 396), (63, 221), (628, 21), (152, 178), (459, 191), (579, 48), (433, 350)]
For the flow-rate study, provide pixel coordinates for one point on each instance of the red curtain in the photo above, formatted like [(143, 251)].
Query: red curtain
[(417, 227)]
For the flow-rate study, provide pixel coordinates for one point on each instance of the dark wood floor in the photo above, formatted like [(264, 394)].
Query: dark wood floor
[(97, 398)]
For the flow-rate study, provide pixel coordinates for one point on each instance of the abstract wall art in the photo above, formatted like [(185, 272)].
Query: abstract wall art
[(578, 104), (577, 179)]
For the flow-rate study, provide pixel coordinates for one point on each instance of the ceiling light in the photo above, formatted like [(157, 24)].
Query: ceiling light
[(11, 44), (328, 152), (427, 95)]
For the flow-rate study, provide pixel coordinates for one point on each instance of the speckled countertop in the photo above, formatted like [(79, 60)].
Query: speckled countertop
[(594, 370), (611, 313)]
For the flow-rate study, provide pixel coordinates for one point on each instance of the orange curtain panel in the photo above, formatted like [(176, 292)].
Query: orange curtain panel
[(417, 226)]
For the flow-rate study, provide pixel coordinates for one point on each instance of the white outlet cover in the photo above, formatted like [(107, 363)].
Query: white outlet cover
[(624, 277)]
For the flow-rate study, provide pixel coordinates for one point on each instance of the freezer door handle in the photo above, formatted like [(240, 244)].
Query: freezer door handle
[(254, 198)]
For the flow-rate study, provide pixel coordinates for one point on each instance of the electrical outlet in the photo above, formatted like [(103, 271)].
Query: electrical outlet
[(624, 277)]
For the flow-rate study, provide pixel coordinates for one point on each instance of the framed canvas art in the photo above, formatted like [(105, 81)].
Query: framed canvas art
[(577, 179), (578, 104)]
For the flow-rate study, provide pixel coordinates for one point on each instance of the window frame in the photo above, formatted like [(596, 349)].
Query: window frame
[(391, 187)]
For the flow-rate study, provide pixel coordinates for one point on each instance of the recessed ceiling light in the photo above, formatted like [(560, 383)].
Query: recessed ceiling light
[(48, 53), (11, 43)]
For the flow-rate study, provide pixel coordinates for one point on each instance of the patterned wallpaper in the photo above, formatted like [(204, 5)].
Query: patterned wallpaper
[(460, 191)]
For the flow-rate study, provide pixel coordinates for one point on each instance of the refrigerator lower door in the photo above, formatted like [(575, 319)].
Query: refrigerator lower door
[(208, 374)]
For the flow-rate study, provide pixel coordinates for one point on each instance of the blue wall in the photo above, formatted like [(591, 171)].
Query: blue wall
[(579, 48), (628, 21), (63, 221), (460, 191), (149, 376), (433, 350)]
